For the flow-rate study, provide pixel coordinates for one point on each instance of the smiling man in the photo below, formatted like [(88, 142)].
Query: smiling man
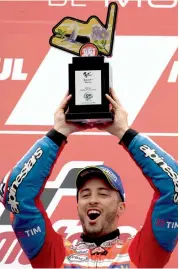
[(100, 202)]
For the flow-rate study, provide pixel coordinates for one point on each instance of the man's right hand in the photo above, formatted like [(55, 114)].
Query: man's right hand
[(60, 124)]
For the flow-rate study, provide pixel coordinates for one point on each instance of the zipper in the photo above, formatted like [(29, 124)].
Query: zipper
[(98, 256)]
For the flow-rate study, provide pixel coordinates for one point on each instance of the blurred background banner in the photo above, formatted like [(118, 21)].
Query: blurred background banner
[(34, 79)]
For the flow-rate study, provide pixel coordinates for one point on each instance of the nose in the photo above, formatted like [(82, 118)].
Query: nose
[(93, 199)]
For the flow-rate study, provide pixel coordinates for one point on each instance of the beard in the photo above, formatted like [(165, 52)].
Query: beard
[(104, 224)]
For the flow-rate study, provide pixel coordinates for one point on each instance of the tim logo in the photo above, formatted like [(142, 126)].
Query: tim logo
[(87, 74), (166, 224), (29, 233), (88, 96)]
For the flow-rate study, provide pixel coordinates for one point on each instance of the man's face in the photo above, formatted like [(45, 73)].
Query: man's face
[(99, 207)]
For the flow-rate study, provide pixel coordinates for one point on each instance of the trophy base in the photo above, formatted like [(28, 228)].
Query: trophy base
[(95, 117)]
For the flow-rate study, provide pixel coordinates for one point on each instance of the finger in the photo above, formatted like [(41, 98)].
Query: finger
[(66, 94), (111, 108), (114, 96), (66, 110), (114, 103), (64, 103)]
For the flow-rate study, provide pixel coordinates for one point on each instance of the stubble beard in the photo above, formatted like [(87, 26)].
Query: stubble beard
[(104, 227)]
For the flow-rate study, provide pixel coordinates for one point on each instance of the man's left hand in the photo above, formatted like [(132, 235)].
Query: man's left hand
[(120, 124)]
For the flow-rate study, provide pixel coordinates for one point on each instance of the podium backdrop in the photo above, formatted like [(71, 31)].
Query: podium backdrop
[(34, 78)]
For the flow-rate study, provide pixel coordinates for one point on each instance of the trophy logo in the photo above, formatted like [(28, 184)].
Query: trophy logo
[(88, 95), (88, 50), (87, 74), (86, 38)]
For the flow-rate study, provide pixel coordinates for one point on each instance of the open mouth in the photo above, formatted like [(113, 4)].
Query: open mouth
[(93, 214)]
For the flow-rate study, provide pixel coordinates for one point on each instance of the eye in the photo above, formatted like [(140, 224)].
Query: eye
[(103, 194), (85, 195)]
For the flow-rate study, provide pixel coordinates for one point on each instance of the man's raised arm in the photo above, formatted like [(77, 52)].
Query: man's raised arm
[(21, 196), (154, 244), (21, 190)]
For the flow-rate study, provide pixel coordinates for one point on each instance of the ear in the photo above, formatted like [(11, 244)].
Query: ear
[(121, 208)]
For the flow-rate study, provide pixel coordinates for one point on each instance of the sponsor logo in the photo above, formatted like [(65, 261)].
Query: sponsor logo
[(109, 243), (2, 191), (151, 3), (164, 166), (2, 187), (28, 233), (83, 245), (122, 3), (12, 68), (166, 224), (172, 225), (20, 177), (82, 251), (88, 96), (77, 258), (109, 174), (79, 246)]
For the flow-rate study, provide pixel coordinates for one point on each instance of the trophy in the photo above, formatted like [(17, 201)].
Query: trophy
[(90, 75)]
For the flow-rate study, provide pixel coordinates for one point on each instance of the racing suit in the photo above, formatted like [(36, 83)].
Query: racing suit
[(151, 247)]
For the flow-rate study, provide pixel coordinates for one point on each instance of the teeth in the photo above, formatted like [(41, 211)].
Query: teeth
[(94, 211)]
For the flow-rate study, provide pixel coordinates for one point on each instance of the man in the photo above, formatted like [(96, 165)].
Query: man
[(101, 201)]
